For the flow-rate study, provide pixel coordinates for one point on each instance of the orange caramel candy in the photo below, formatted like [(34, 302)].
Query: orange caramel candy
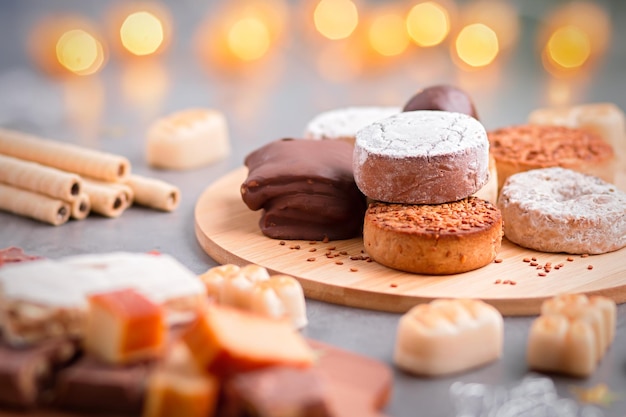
[(224, 341), (181, 395), (124, 326)]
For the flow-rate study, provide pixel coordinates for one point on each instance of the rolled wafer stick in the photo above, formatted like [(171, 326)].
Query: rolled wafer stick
[(108, 199), (67, 157), (154, 193), (33, 205), (40, 178), (81, 207)]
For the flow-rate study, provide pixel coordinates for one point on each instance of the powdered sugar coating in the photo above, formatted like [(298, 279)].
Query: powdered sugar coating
[(422, 157), (425, 132), (343, 123), (560, 210)]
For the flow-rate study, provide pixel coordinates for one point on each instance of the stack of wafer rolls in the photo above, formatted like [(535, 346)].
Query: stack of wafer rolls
[(52, 182)]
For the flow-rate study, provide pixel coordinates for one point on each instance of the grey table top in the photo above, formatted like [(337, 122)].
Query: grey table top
[(102, 112)]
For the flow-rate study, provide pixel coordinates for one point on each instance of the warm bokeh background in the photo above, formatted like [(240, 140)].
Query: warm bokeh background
[(271, 65)]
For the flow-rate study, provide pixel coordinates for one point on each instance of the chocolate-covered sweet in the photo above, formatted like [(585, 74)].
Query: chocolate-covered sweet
[(26, 372), (442, 97), (92, 386), (306, 189), (276, 391)]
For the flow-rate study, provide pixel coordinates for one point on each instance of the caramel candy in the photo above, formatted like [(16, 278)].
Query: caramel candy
[(224, 341), (572, 334), (448, 336), (444, 98), (124, 326), (188, 139), (181, 395)]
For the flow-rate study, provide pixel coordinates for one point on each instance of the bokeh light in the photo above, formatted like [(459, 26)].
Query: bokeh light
[(336, 19), (66, 44), (139, 28), (235, 37), (79, 52), (428, 23), (387, 34), (142, 33), (477, 45), (569, 47), (249, 38), (501, 16), (573, 38)]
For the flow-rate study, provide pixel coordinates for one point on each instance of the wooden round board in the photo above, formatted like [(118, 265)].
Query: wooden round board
[(337, 271)]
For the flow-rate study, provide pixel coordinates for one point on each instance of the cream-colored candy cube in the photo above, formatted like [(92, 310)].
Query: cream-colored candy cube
[(188, 139), (572, 334), (448, 336), (251, 288), (237, 288), (280, 296), (213, 279), (604, 119), (599, 312), (556, 344)]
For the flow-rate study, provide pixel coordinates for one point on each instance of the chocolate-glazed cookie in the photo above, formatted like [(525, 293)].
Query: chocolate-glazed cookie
[(442, 97), (306, 189)]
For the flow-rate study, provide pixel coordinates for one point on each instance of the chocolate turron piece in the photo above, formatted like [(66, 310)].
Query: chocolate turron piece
[(306, 189), (90, 386), (26, 372), (276, 391)]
